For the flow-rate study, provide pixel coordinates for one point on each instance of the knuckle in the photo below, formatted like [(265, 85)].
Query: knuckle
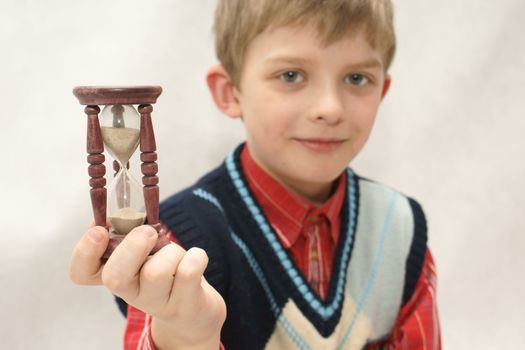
[(152, 274), (188, 272), (112, 281)]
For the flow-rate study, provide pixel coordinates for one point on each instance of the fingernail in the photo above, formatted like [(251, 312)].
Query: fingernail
[(96, 236)]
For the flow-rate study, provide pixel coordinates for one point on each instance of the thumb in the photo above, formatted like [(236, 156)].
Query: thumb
[(85, 264)]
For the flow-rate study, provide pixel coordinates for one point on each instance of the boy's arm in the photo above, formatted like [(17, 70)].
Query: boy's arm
[(417, 326), (168, 285), (138, 331)]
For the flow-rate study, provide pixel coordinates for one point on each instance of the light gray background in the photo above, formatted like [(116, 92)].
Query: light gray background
[(449, 134)]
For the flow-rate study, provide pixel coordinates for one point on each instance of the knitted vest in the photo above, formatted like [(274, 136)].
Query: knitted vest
[(270, 305)]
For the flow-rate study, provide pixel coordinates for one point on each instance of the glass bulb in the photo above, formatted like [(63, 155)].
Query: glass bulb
[(125, 203), (120, 126)]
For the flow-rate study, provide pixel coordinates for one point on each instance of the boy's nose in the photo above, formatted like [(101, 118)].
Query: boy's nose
[(327, 106)]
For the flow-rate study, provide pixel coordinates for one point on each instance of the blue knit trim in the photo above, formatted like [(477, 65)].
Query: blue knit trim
[(199, 192), (375, 266), (288, 327), (325, 312)]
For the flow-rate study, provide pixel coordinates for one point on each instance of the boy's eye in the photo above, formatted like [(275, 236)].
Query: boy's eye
[(356, 79), (291, 77)]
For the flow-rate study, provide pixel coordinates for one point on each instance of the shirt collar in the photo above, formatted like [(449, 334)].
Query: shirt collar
[(286, 211)]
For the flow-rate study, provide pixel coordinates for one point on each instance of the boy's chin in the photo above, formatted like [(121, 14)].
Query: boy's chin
[(324, 173)]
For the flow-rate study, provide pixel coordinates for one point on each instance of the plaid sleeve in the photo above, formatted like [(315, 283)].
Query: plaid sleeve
[(138, 335)]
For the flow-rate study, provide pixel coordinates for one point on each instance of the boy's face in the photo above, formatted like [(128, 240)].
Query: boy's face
[(307, 108)]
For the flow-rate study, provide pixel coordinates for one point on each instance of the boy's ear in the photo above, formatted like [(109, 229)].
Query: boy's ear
[(223, 91), (386, 85)]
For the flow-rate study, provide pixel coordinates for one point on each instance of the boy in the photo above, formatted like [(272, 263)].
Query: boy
[(302, 252)]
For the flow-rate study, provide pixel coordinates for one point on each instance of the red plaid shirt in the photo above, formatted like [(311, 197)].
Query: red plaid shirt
[(311, 233)]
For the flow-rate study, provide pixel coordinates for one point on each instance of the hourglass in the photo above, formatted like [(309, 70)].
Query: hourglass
[(120, 129)]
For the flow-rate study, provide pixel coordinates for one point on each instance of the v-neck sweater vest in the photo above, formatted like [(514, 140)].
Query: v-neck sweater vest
[(270, 305)]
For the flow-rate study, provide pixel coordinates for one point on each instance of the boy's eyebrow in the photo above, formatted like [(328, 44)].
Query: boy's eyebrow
[(287, 59), (368, 63)]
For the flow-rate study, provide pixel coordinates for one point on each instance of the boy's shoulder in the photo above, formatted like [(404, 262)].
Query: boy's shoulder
[(211, 179), (198, 208), (376, 198), (207, 186)]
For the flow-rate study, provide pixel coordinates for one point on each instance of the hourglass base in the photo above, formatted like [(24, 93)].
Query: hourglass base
[(115, 239)]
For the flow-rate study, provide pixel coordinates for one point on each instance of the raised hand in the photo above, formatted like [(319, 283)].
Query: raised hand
[(169, 285)]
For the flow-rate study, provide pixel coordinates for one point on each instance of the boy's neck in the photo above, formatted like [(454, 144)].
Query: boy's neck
[(315, 193)]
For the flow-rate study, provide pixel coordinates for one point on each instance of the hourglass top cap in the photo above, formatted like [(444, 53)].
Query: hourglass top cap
[(117, 95)]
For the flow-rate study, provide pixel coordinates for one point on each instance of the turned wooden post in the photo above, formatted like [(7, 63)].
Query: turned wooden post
[(96, 169), (149, 166)]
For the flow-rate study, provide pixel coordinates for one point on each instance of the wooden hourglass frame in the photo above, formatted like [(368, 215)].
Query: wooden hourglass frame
[(143, 96)]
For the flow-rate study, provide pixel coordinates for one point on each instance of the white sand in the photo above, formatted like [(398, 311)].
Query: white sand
[(126, 219), (121, 142)]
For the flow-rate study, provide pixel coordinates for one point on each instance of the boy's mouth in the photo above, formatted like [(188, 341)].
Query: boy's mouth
[(320, 144)]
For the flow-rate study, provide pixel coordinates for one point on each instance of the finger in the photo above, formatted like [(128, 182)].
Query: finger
[(85, 264), (121, 272), (188, 276), (156, 276)]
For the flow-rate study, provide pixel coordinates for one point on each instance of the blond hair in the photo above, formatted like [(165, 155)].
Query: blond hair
[(238, 22)]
